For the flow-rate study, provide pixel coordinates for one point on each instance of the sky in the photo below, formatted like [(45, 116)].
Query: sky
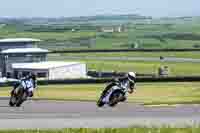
[(69, 8)]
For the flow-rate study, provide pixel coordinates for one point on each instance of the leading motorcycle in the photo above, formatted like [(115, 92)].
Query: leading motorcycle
[(18, 96), (114, 93)]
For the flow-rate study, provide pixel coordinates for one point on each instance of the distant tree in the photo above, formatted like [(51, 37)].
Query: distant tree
[(196, 46)]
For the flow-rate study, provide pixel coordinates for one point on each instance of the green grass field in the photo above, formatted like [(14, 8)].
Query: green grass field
[(147, 93), (134, 33), (109, 130), (48, 36), (144, 67), (148, 67)]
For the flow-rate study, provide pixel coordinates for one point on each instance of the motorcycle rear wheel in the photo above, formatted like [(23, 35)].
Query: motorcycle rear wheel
[(114, 99)]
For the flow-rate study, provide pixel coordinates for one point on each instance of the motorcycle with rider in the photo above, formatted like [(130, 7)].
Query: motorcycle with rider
[(117, 91), (22, 89)]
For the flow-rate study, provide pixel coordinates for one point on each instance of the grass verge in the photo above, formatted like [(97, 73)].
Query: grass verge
[(109, 130), (146, 67), (147, 93)]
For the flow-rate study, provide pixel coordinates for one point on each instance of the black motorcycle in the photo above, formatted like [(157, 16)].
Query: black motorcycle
[(18, 96), (113, 93)]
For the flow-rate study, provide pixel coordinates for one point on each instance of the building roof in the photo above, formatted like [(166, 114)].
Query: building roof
[(12, 40), (42, 65), (24, 50), (4, 80)]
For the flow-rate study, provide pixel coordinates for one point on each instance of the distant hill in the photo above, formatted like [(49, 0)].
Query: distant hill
[(109, 17), (72, 19)]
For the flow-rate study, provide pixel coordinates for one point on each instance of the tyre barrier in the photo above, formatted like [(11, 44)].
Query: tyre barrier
[(106, 80)]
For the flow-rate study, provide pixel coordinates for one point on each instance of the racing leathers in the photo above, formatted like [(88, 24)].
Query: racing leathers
[(125, 83), (27, 84)]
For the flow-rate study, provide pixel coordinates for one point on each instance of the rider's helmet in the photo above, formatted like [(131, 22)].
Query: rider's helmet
[(32, 76), (131, 76)]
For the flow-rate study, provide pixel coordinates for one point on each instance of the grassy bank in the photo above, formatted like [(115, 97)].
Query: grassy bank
[(142, 67), (110, 130), (149, 67), (148, 93)]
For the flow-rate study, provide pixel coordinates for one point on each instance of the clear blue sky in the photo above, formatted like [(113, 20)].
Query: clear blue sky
[(67, 8)]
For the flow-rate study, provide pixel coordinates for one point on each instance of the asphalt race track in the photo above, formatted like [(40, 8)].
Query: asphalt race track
[(62, 114)]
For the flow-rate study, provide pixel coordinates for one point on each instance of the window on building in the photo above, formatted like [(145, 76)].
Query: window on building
[(42, 75), (8, 74)]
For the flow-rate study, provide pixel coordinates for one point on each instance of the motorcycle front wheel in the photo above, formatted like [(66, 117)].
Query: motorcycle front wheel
[(21, 98), (12, 101), (100, 103)]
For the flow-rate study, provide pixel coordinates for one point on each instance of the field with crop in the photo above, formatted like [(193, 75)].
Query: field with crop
[(155, 33)]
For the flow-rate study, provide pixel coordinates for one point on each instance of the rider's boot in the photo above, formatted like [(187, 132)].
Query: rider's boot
[(123, 99), (30, 94)]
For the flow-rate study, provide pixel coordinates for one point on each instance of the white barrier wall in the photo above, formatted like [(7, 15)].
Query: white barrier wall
[(69, 71)]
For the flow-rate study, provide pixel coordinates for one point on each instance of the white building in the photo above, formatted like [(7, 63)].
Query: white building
[(52, 70), (10, 43), (19, 55), (18, 50)]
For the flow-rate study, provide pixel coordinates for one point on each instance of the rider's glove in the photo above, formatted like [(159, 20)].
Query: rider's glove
[(132, 90)]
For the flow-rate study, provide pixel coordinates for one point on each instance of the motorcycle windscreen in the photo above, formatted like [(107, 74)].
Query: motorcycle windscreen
[(107, 97)]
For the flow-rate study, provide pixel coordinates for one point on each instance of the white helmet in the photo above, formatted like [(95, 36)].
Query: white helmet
[(131, 76)]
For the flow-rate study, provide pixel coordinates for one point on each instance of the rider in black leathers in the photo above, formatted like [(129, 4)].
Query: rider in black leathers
[(129, 79), (32, 78)]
